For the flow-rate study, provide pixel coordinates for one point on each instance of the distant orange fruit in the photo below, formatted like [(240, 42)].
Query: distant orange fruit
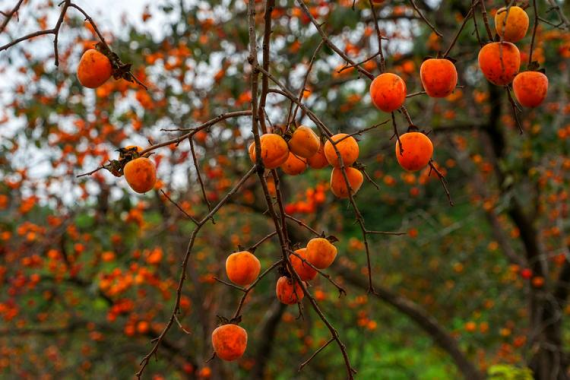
[(530, 88), (418, 150), (242, 268), (229, 342), (388, 92), (347, 148), (274, 150), (94, 69), (140, 174)]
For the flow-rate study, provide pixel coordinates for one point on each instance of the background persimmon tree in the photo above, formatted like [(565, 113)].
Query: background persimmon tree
[(96, 278)]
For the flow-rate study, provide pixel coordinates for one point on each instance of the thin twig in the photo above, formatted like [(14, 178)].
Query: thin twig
[(425, 19), (379, 36), (178, 207), (534, 28), (442, 179), (469, 14), (199, 174), (315, 354), (8, 15)]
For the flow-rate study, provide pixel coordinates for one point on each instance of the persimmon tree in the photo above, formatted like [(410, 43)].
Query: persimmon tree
[(420, 182)]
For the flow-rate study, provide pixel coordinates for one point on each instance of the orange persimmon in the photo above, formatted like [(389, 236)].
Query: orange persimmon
[(304, 142), (274, 150), (346, 146), (499, 62), (229, 342), (318, 160), (140, 174), (388, 92), (511, 27), (94, 69), (438, 76), (530, 88), (294, 165), (242, 268), (338, 183), (417, 151), (321, 253), (288, 291), (305, 272)]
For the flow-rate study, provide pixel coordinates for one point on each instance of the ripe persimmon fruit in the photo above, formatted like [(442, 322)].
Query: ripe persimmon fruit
[(438, 76), (294, 165), (388, 92), (318, 160), (229, 342), (338, 183), (288, 291), (346, 146), (94, 69), (304, 142), (321, 253), (516, 25), (530, 88), (417, 151), (500, 62), (305, 272), (274, 150), (242, 268), (140, 174)]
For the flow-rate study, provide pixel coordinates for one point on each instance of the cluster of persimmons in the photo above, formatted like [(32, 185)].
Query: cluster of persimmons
[(243, 268), (300, 147)]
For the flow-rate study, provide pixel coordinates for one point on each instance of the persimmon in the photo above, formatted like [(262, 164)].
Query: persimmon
[(274, 150), (318, 160), (321, 253), (516, 25), (530, 88), (140, 174), (242, 268), (388, 92), (94, 69), (417, 151), (499, 62), (304, 142), (305, 272), (346, 146), (288, 291), (294, 165), (338, 183), (229, 342), (438, 76)]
